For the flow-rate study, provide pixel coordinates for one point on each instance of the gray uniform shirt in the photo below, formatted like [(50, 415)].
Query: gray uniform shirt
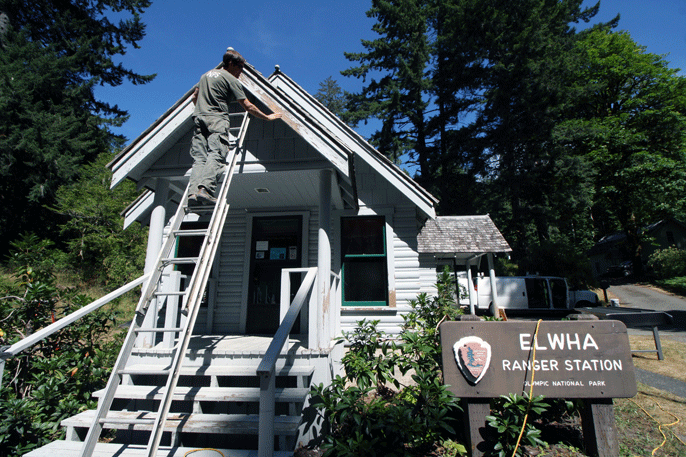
[(217, 89)]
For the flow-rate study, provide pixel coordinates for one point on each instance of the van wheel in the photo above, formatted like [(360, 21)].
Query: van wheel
[(583, 304)]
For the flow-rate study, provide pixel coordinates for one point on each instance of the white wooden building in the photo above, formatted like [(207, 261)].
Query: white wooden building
[(308, 194)]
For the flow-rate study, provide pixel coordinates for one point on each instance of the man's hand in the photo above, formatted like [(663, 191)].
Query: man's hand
[(255, 111)]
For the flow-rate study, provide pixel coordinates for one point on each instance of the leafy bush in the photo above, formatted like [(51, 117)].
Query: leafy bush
[(53, 379), (508, 421), (668, 263), (368, 412)]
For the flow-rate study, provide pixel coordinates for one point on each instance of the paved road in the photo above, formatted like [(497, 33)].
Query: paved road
[(636, 296)]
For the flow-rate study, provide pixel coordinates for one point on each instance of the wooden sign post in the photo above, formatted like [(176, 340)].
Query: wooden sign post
[(590, 360)]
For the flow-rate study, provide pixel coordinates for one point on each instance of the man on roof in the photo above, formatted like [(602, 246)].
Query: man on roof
[(215, 91)]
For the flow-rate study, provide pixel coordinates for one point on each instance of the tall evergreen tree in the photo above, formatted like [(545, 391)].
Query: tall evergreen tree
[(54, 53), (97, 246), (332, 96), (471, 91), (398, 91), (525, 82), (631, 126)]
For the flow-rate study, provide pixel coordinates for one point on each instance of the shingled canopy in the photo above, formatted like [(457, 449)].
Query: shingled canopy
[(465, 239), (461, 237)]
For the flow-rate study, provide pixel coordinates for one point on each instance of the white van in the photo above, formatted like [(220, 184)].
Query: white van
[(526, 294)]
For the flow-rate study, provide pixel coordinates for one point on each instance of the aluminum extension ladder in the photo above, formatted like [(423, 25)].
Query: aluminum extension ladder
[(193, 294)]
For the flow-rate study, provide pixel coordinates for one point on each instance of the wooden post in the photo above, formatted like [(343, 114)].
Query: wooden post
[(322, 320), (494, 290), (474, 412), (598, 425)]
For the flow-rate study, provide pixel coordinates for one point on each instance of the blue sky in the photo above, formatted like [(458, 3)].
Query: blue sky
[(307, 39)]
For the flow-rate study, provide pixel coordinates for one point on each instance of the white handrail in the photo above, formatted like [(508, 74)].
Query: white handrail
[(43, 333), (266, 369)]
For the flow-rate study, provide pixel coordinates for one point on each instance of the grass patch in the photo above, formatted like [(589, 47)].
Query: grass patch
[(675, 285), (674, 352), (639, 434)]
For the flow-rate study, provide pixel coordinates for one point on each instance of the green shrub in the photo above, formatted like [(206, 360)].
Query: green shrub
[(368, 412), (53, 379), (508, 419), (668, 263)]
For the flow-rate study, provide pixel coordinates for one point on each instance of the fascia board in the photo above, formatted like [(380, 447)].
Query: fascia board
[(328, 146), (139, 208), (145, 146)]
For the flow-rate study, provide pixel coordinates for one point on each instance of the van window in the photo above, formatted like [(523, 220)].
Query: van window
[(537, 290), (558, 288)]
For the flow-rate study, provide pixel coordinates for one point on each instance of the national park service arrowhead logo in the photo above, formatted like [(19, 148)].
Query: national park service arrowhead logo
[(473, 355)]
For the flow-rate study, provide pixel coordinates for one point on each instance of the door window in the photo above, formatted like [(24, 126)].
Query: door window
[(276, 244)]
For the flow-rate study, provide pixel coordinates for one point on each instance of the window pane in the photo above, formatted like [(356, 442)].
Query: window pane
[(365, 280), (559, 289), (363, 236)]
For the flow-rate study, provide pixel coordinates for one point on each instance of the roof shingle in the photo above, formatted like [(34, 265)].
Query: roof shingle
[(461, 235)]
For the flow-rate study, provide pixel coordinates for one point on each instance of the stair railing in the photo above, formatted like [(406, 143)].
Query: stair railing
[(266, 369), (16, 348)]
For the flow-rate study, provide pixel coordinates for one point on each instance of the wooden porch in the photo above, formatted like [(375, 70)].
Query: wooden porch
[(216, 404)]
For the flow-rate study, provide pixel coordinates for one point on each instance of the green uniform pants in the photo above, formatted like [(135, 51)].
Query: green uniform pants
[(209, 147)]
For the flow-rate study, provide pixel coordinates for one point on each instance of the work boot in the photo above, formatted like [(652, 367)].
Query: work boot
[(204, 197)]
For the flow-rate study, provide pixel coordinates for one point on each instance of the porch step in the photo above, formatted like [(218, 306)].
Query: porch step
[(73, 449), (207, 394), (217, 370), (224, 424)]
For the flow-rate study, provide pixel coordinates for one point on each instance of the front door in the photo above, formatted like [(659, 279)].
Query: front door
[(276, 244)]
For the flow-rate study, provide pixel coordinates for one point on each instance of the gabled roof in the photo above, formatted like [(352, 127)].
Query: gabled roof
[(337, 142), (458, 236), (355, 142)]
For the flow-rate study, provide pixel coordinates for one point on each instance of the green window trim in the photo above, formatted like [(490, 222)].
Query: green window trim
[(366, 272)]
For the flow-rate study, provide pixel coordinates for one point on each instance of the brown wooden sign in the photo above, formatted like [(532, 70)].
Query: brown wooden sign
[(573, 359)]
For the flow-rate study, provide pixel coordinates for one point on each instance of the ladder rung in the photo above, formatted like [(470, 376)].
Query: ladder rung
[(147, 372), (155, 330), (176, 293), (180, 260), (199, 208), (193, 232)]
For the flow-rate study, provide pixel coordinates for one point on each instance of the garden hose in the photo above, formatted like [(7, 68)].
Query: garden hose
[(664, 437), (531, 387), (203, 449)]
